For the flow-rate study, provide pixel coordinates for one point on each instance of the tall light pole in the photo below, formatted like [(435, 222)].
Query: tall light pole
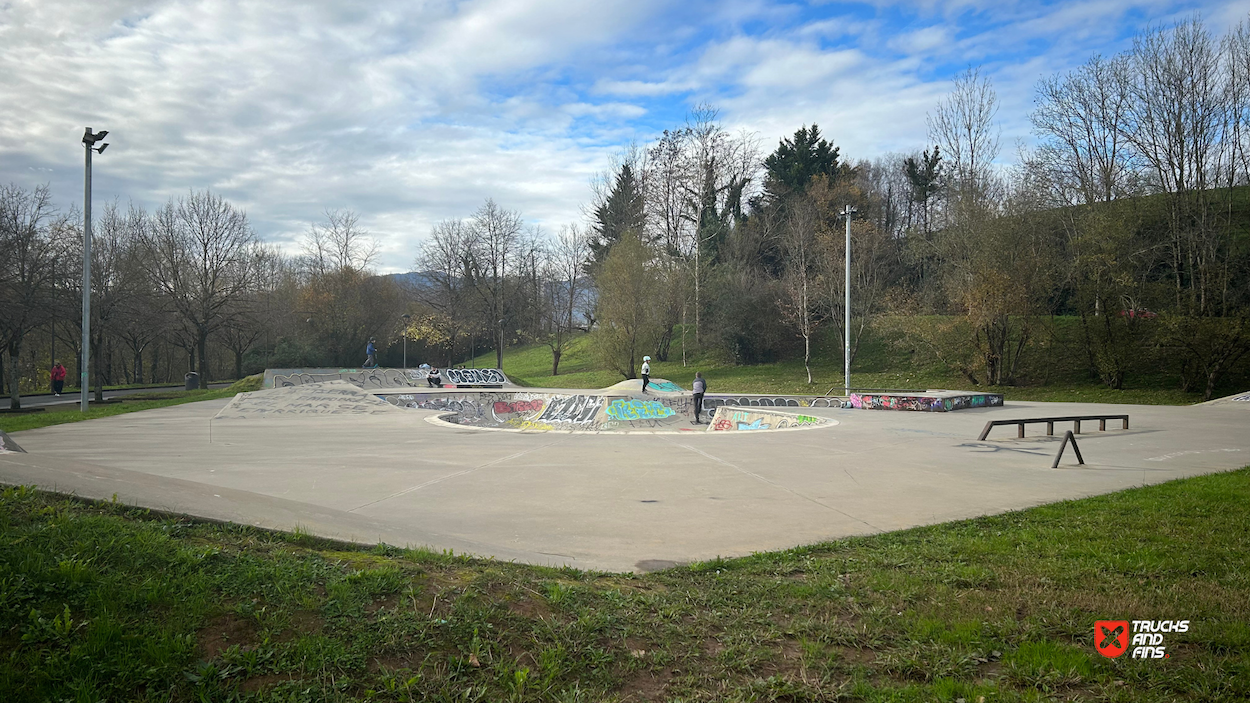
[(847, 212), (89, 143), (406, 317)]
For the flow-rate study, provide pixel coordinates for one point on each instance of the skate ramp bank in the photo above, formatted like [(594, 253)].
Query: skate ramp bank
[(380, 379), (325, 398), (1238, 400), (589, 411), (8, 446)]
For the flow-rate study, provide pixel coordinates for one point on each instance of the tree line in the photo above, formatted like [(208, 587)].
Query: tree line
[(1129, 217)]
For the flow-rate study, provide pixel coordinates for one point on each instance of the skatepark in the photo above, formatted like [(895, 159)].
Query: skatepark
[(606, 479)]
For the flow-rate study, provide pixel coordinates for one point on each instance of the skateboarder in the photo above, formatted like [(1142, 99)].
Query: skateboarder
[(371, 354), (700, 387), (646, 372)]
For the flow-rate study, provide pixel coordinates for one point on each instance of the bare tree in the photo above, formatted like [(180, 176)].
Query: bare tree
[(198, 251), (963, 126), (27, 272), (800, 301), (1080, 118), (495, 240), (1176, 123), (339, 244), (564, 288)]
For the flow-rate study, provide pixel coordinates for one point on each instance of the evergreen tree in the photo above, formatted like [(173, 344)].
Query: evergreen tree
[(797, 161), (623, 211)]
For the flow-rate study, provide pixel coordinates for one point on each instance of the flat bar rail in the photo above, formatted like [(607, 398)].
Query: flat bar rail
[(1050, 423)]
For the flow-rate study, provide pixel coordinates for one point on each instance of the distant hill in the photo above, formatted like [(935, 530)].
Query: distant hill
[(413, 279)]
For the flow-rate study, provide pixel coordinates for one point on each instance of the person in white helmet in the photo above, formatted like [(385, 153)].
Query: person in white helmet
[(646, 372)]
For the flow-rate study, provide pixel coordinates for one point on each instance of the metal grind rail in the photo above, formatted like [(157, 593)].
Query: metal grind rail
[(1050, 423)]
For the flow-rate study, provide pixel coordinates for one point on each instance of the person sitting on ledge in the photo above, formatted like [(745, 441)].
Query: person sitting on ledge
[(434, 379)]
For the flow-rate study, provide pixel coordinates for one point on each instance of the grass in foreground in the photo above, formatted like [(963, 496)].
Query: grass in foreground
[(129, 404), (101, 602)]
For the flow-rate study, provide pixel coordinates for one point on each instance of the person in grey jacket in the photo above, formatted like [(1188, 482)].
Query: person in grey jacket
[(700, 387)]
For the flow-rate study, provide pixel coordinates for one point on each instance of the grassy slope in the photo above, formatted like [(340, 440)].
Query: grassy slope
[(879, 365), (100, 601), (131, 403)]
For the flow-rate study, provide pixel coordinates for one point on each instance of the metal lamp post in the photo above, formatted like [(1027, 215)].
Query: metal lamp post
[(89, 144), (406, 317), (847, 212)]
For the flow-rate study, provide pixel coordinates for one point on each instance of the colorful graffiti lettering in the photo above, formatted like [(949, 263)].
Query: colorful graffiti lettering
[(638, 410), (722, 424), (924, 403), (504, 407), (754, 425), (665, 386)]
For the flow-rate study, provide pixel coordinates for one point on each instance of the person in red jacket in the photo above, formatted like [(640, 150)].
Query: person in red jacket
[(58, 378)]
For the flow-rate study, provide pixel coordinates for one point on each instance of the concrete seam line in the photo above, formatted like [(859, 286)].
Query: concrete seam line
[(776, 485), (440, 479)]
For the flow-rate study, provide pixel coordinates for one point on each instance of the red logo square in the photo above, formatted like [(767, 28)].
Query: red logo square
[(1111, 637)]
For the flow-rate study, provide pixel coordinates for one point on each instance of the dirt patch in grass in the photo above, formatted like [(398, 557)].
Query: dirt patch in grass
[(255, 684), (646, 685), (223, 632)]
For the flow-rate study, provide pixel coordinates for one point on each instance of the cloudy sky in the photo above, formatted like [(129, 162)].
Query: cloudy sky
[(413, 112)]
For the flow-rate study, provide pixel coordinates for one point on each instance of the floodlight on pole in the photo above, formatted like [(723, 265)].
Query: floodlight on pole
[(406, 317), (89, 143), (847, 212)]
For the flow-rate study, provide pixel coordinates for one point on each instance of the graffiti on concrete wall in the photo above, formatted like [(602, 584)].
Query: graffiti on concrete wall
[(638, 410), (924, 403), (572, 410), (471, 377), (511, 407), (750, 420), (667, 386), (1242, 398), (792, 401), (361, 378)]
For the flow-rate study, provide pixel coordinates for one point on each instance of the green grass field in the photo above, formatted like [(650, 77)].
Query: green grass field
[(102, 602), (878, 366)]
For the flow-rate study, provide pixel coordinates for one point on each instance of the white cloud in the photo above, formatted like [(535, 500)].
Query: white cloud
[(412, 112)]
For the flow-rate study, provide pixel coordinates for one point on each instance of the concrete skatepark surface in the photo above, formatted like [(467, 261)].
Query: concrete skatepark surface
[(609, 501)]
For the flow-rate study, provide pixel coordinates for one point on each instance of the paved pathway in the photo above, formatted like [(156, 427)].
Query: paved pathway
[(34, 401), (613, 502)]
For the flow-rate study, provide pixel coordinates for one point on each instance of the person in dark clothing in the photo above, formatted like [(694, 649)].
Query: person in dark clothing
[(700, 387), (434, 379), (371, 354), (58, 378), (646, 372)]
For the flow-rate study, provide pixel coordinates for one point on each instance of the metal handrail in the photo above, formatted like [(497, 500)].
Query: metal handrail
[(1050, 423)]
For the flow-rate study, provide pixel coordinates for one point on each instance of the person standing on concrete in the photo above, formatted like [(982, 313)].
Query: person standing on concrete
[(700, 387), (58, 378), (646, 372), (371, 354)]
